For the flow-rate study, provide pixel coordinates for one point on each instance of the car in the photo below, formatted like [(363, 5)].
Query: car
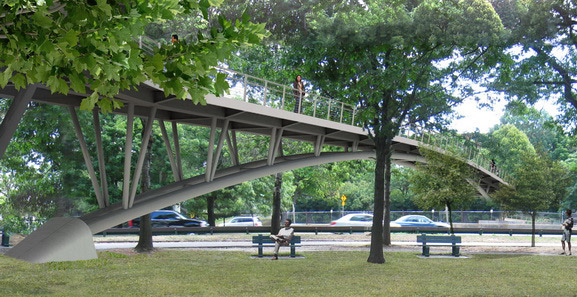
[(171, 218), (242, 221), (354, 219), (417, 221)]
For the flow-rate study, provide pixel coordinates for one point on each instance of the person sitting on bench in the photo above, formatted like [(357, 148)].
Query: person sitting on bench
[(283, 237)]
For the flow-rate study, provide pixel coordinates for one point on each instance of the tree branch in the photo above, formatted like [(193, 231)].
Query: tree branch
[(567, 80)]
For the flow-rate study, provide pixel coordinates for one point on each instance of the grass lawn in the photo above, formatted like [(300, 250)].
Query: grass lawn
[(231, 273)]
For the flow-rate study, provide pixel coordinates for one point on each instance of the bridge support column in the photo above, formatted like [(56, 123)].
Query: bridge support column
[(13, 116), (59, 239)]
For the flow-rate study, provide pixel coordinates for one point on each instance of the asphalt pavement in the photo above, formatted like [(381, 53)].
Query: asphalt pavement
[(304, 244)]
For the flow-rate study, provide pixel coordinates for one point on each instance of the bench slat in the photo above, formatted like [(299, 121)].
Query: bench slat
[(438, 239), (266, 239)]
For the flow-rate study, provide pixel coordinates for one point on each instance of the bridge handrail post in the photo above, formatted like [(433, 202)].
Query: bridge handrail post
[(245, 88), (342, 111), (265, 91), (315, 100), (283, 96), (354, 113), (300, 107), (329, 110)]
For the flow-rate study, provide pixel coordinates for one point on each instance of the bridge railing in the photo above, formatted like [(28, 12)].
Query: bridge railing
[(260, 91), (464, 148)]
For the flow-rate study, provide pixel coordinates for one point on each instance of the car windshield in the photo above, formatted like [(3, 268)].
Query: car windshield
[(165, 216), (361, 218), (242, 220)]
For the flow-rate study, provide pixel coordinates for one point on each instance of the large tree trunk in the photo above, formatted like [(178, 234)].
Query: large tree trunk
[(210, 209), (533, 217), (387, 189), (145, 235), (451, 230), (376, 252), (276, 201)]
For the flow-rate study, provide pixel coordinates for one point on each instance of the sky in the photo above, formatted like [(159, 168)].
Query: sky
[(484, 119)]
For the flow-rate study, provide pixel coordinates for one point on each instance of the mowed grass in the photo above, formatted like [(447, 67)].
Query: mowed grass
[(231, 273)]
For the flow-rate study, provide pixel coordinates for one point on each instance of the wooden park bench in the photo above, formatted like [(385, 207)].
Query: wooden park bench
[(261, 241), (435, 240)]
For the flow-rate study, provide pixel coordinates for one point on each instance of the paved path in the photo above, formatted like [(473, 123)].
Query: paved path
[(320, 244)]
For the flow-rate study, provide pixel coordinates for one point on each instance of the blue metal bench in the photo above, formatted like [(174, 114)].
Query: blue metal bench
[(452, 241), (261, 241)]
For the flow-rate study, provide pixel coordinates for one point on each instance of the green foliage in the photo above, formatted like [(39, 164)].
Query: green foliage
[(539, 185), (541, 50), (544, 133), (94, 48), (444, 181), (510, 145)]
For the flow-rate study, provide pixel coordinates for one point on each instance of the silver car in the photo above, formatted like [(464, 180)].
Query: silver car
[(354, 219), (242, 221)]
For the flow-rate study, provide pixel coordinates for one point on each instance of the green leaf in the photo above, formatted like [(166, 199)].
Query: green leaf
[(102, 5), (62, 86), (89, 102), (71, 37), (215, 2), (220, 85), (158, 62), (19, 81), (77, 83), (105, 105), (5, 77), (42, 20), (204, 6)]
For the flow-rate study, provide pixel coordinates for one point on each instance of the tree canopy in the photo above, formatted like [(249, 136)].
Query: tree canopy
[(443, 181), (93, 48)]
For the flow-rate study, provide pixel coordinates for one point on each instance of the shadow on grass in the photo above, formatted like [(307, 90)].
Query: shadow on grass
[(498, 256)]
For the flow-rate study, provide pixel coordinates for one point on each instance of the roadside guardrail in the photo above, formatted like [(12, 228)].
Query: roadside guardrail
[(329, 229)]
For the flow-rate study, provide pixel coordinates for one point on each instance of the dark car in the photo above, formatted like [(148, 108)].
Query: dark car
[(170, 218)]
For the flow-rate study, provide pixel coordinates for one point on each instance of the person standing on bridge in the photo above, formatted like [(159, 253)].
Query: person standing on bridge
[(283, 237), (174, 38), (567, 230), (299, 93)]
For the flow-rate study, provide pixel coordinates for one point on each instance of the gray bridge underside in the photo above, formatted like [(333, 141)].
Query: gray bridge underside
[(68, 238)]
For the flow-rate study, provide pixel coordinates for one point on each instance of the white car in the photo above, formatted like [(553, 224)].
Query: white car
[(417, 221), (242, 221), (354, 219)]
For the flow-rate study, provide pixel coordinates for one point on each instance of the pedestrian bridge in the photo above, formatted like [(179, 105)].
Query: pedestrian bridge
[(254, 106)]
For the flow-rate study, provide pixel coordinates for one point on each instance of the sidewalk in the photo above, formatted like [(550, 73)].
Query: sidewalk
[(397, 246)]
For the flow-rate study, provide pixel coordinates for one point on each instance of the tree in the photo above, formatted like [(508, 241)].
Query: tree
[(145, 244), (92, 47), (533, 188), (445, 180), (541, 50), (40, 175), (395, 60), (508, 147), (544, 133)]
